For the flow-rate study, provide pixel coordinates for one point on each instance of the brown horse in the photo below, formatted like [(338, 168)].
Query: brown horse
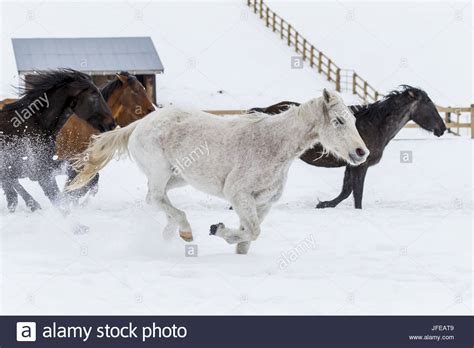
[(29, 127), (128, 101), (6, 102)]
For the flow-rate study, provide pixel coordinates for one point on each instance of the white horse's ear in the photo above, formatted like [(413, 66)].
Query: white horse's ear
[(326, 95), (326, 112)]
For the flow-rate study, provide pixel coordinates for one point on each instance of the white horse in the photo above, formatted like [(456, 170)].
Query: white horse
[(244, 160)]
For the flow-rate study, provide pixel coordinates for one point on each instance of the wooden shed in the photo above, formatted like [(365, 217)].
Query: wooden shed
[(101, 58)]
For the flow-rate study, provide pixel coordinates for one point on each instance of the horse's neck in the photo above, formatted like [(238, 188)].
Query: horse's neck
[(393, 123), (54, 117), (297, 128), (113, 101)]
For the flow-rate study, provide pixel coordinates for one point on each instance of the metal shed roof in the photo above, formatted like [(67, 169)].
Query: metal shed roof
[(105, 55)]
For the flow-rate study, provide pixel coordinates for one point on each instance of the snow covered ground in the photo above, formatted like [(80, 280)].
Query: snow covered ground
[(407, 251)]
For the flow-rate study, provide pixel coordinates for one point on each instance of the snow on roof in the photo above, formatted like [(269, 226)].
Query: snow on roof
[(92, 55)]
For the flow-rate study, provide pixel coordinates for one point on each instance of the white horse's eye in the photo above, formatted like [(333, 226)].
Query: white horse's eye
[(337, 122)]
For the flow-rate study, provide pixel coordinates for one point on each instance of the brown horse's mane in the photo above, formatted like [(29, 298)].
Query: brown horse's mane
[(112, 85)]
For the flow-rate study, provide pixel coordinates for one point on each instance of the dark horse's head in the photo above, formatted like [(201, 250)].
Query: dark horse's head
[(421, 109), (70, 91)]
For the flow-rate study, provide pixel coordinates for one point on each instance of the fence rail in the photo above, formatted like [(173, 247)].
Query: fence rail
[(345, 80), (315, 57)]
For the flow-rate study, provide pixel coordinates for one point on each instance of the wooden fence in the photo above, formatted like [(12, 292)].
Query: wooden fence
[(457, 112), (344, 79)]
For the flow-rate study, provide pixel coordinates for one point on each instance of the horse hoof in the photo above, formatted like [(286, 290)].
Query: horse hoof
[(242, 248), (230, 208), (11, 209), (187, 236), (34, 206), (213, 229), (322, 205)]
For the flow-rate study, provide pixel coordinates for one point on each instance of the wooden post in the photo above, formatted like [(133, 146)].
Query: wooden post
[(365, 90), (447, 118), (304, 49), (311, 57), (376, 96), (248, 3), (296, 41), (320, 62), (274, 20), (261, 9), (329, 70), (354, 79), (457, 121), (267, 17), (472, 121), (281, 28), (289, 35), (338, 79), (255, 6)]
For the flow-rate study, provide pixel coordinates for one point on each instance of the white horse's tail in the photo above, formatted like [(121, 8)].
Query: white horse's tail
[(102, 149)]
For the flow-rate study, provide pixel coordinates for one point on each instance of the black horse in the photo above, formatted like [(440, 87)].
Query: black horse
[(29, 126), (377, 124)]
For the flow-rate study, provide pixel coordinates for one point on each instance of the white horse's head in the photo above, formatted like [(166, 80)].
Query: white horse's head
[(338, 133)]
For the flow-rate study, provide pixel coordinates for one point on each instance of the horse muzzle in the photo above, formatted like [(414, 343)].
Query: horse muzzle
[(107, 127), (439, 131), (359, 156)]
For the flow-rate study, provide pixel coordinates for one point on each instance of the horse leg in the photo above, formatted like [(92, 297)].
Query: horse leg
[(245, 207), (262, 211), (346, 191), (11, 195), (91, 186), (157, 194), (358, 179), (50, 188), (94, 185), (29, 200)]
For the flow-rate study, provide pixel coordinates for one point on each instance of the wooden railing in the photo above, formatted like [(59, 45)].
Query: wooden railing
[(315, 57), (457, 124), (346, 80)]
